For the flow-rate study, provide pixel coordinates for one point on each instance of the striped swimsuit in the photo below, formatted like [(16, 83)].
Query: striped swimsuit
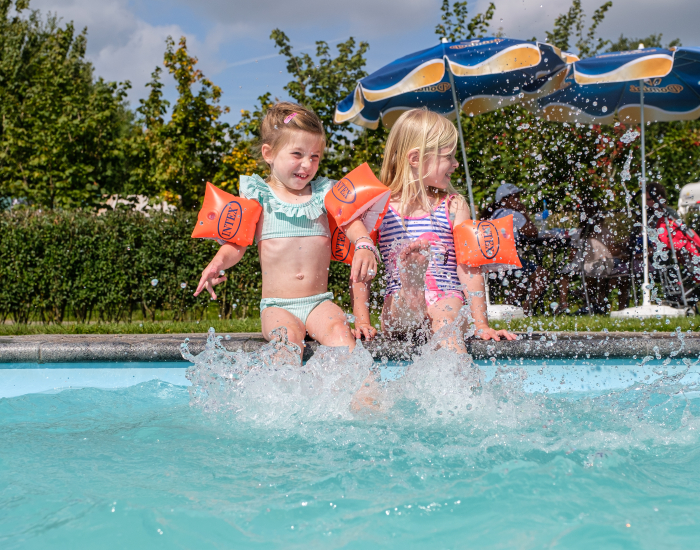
[(441, 279)]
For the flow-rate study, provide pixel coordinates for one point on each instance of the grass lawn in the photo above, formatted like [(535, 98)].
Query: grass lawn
[(538, 324)]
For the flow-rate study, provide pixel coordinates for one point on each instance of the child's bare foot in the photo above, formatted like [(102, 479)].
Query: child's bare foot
[(413, 264), (368, 397)]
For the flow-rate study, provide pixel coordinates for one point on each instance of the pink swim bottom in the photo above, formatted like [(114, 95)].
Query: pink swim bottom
[(432, 297)]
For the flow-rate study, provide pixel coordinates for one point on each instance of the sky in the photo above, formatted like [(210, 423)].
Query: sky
[(231, 38)]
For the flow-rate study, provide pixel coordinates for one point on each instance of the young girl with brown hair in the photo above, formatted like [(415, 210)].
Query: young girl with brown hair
[(292, 234)]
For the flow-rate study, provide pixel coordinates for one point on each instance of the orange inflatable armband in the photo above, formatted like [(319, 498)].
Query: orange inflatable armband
[(227, 218), (489, 244), (342, 250), (358, 195)]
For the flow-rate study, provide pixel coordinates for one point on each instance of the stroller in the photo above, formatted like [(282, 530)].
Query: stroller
[(678, 282)]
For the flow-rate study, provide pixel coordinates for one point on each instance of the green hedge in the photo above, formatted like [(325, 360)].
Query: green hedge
[(59, 265)]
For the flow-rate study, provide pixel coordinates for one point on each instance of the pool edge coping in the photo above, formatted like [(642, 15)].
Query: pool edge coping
[(70, 348)]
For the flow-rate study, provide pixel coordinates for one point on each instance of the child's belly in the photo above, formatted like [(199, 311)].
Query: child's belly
[(295, 267)]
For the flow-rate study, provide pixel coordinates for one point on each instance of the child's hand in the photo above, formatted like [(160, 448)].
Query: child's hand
[(211, 276), (364, 266), (487, 333), (364, 329)]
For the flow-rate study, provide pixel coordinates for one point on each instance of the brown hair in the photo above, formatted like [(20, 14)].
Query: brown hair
[(285, 117), (656, 191)]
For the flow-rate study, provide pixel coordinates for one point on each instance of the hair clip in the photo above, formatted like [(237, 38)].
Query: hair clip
[(290, 117)]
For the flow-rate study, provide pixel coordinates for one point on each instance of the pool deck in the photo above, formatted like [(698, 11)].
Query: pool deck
[(55, 348)]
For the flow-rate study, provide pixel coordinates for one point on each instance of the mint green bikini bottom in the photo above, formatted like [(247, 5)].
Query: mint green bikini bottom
[(299, 307)]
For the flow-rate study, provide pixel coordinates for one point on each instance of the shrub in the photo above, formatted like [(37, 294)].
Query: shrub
[(60, 264)]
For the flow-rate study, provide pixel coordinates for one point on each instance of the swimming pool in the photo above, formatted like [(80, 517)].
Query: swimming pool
[(570, 454)]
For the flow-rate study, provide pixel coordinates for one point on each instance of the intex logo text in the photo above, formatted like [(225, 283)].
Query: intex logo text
[(488, 240), (339, 245), (230, 220), (344, 191)]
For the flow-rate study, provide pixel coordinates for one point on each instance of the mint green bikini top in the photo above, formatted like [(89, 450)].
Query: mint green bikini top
[(282, 219)]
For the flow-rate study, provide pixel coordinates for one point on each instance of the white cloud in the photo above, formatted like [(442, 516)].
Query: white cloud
[(122, 46)]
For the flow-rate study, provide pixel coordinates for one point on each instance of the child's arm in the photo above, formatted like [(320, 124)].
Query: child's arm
[(360, 295), (473, 283), (364, 263), (228, 255)]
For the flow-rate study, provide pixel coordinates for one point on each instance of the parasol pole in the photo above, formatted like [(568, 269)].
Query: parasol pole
[(646, 289), (457, 106)]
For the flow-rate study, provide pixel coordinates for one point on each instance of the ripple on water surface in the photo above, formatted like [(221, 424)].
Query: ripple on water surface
[(261, 452)]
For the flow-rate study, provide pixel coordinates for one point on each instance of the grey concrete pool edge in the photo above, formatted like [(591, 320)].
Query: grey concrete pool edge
[(73, 348)]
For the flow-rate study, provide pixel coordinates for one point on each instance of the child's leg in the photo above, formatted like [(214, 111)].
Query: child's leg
[(328, 325), (406, 310), (444, 312), (276, 317)]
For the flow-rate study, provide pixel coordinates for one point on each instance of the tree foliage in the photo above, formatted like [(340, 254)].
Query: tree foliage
[(456, 26), (623, 43), (571, 26), (184, 152), (61, 130)]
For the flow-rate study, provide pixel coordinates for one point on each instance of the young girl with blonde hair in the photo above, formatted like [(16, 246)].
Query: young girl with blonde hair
[(424, 283), (292, 234)]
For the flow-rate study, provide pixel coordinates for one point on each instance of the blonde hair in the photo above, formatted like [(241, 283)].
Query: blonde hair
[(282, 119), (419, 129)]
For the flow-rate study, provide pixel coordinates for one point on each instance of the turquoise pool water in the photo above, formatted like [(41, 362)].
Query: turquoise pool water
[(568, 454)]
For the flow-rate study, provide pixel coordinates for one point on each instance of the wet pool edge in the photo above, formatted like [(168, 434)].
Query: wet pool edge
[(53, 348)]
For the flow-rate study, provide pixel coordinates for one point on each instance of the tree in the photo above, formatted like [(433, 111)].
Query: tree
[(454, 26), (60, 129), (571, 25), (180, 155), (652, 41)]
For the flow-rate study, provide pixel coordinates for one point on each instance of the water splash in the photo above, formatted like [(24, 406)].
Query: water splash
[(442, 390), (629, 136), (625, 175), (271, 386)]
